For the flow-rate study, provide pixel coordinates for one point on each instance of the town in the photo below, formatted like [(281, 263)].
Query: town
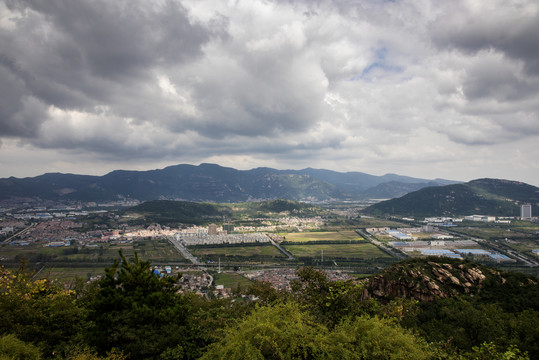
[(215, 258)]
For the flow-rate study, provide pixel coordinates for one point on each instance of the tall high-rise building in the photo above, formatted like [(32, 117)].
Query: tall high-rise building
[(526, 211)]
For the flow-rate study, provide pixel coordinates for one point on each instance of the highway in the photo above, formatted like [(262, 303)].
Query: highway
[(380, 245), (183, 250), (25, 230), (290, 257)]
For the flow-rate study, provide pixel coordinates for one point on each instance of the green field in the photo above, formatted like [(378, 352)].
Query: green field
[(341, 251), (231, 280), (70, 273), (72, 261), (371, 222), (213, 252), (517, 230), (522, 245), (345, 235)]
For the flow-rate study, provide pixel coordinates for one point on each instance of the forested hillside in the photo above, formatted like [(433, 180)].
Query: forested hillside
[(483, 196)]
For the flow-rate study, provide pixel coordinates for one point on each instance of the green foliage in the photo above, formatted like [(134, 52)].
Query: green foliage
[(374, 338), (266, 293), (12, 348), (280, 332), (133, 314), (287, 331), (138, 312), (330, 301), (468, 323), (86, 353), (488, 351), (38, 311)]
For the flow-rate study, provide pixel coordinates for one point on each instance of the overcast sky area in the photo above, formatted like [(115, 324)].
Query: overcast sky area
[(431, 89)]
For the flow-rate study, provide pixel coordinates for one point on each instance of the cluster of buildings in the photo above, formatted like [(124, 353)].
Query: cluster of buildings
[(452, 249), (50, 233), (189, 239), (404, 234)]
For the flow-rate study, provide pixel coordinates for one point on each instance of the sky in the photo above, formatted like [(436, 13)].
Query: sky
[(430, 89)]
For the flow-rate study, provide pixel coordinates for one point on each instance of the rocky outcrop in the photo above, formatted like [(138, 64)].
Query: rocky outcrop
[(427, 280)]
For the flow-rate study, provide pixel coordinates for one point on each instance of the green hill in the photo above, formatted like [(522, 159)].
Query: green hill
[(482, 196), (186, 212)]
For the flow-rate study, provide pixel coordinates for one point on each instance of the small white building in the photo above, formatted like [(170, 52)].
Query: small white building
[(484, 218)]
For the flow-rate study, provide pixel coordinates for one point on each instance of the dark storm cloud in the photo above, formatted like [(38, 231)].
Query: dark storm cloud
[(116, 38), (515, 35), (91, 65), (494, 80), (80, 54), (20, 113)]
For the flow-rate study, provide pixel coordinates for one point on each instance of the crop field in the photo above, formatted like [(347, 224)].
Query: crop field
[(345, 251), (523, 245), (323, 236), (370, 222), (102, 255), (260, 251), (493, 233), (70, 273)]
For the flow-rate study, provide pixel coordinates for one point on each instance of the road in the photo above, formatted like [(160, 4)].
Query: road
[(183, 250), (380, 245), (290, 257), (25, 230)]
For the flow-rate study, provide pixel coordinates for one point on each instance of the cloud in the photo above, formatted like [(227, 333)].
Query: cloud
[(510, 27), (345, 84)]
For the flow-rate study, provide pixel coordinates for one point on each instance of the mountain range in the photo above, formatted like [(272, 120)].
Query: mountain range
[(482, 196), (213, 183)]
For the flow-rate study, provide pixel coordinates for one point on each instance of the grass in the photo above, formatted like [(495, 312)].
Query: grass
[(522, 245), (515, 230), (323, 236), (369, 222), (346, 251), (70, 273), (231, 280)]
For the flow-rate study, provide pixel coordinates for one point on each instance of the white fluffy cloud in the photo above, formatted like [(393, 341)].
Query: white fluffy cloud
[(423, 88)]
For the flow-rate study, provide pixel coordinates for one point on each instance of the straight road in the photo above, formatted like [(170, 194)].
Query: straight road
[(183, 250), (380, 245)]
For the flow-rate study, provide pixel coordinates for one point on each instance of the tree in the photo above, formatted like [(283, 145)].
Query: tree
[(283, 331), (140, 313), (375, 338), (39, 311), (12, 348), (330, 301), (288, 331)]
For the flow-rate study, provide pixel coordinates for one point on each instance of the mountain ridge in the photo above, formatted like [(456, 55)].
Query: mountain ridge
[(210, 182)]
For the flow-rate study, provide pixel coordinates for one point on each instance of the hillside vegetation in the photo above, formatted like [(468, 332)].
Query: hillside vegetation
[(185, 212), (132, 314)]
